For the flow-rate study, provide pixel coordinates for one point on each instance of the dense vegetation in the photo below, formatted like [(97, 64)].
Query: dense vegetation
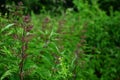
[(71, 45), (56, 6)]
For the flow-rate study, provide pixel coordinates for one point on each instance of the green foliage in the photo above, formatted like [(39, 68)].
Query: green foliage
[(71, 46)]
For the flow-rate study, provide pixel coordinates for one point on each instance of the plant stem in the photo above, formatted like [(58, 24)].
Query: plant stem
[(22, 54)]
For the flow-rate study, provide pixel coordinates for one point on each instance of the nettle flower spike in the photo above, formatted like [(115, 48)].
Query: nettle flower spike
[(20, 3), (47, 20), (29, 28), (26, 19)]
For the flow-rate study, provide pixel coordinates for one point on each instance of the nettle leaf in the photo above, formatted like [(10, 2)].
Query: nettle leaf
[(47, 59), (6, 51), (7, 73), (29, 64), (44, 72), (7, 27)]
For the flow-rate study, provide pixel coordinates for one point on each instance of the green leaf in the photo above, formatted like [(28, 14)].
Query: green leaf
[(29, 64), (7, 73), (7, 27), (6, 51)]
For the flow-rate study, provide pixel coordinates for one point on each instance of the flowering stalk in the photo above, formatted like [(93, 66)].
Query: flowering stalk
[(23, 36), (26, 28), (79, 51)]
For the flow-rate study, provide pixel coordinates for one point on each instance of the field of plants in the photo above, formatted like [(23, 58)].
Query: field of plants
[(71, 45)]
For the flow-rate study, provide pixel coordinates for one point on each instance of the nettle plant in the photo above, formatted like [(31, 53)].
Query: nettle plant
[(14, 43)]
